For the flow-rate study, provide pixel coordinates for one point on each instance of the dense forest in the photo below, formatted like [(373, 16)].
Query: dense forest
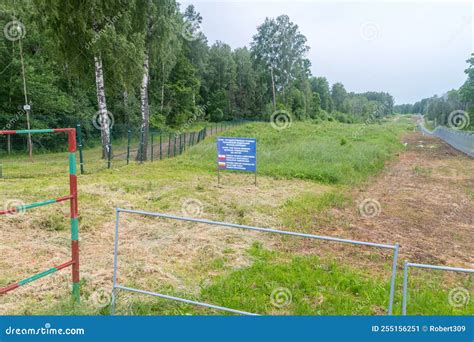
[(454, 109), (147, 65)]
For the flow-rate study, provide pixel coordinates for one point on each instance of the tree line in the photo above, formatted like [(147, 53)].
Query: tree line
[(455, 108), (147, 64)]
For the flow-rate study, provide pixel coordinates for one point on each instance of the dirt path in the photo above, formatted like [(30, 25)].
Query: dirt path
[(426, 198)]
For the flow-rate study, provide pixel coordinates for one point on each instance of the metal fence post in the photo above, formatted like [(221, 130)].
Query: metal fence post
[(129, 133), (76, 285), (115, 261), (169, 144), (405, 285), (79, 144), (392, 280), (151, 137), (407, 265), (174, 146), (161, 148)]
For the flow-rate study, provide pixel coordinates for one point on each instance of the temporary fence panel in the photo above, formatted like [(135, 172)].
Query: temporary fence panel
[(237, 226), (407, 264), (72, 197)]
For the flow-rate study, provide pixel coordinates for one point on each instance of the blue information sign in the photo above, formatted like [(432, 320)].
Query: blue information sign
[(239, 154)]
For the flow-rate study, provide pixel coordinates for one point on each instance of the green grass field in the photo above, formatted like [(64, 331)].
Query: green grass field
[(332, 153), (312, 167)]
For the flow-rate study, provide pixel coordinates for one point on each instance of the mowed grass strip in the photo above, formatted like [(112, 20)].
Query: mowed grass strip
[(330, 153), (281, 284)]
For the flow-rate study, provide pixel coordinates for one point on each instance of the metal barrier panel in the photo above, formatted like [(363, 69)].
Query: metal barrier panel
[(461, 140), (72, 197), (407, 264), (232, 225)]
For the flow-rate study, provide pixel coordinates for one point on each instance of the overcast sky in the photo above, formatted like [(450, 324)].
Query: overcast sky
[(410, 49)]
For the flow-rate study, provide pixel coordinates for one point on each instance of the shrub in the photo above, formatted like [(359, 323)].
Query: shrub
[(217, 115)]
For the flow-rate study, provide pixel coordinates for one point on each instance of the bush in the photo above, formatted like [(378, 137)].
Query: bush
[(217, 115), (300, 114), (323, 115), (158, 121), (470, 127)]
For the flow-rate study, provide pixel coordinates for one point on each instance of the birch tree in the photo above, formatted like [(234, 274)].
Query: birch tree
[(102, 105), (149, 15), (90, 35), (160, 42), (280, 47)]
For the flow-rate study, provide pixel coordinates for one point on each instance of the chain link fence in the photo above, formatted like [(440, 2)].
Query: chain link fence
[(126, 143), (168, 145), (49, 153)]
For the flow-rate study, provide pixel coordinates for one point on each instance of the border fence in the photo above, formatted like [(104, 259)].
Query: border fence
[(126, 143), (395, 249), (426, 266), (461, 140), (72, 197)]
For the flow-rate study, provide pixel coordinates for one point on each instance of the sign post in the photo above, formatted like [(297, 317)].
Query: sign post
[(236, 154)]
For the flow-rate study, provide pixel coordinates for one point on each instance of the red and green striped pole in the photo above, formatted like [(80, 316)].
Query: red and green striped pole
[(37, 276), (72, 197), (21, 208), (74, 214)]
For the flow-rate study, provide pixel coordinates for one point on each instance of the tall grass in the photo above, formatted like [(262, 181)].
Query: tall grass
[(329, 152)]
